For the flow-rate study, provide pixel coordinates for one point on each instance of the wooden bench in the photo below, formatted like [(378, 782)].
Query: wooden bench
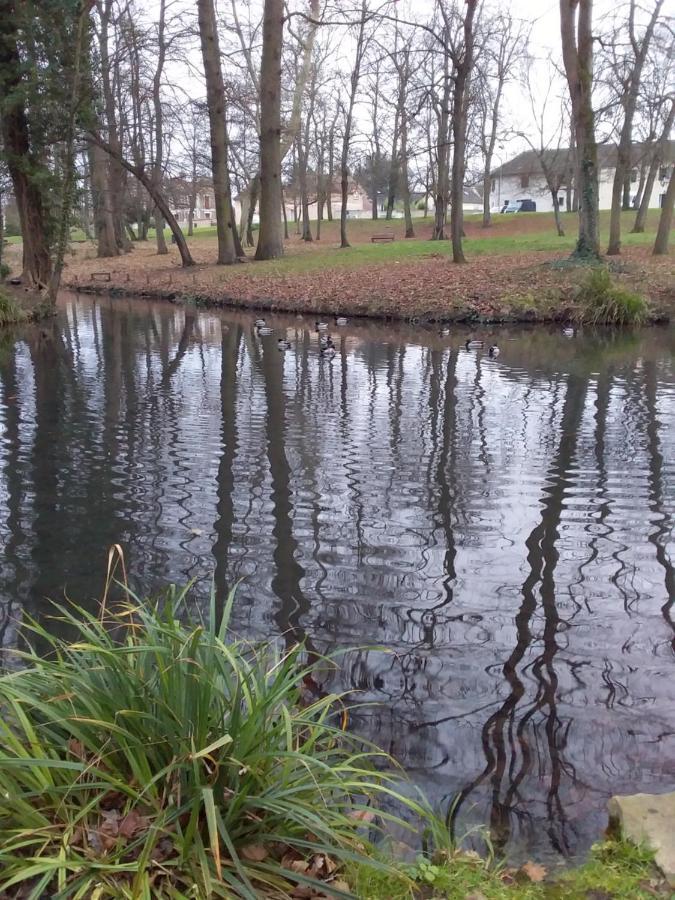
[(100, 276), (382, 237)]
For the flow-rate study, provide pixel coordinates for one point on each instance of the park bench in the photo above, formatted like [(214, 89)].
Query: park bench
[(100, 276), (382, 237)]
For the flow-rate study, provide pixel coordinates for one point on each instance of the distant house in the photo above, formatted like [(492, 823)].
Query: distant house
[(359, 204), (180, 192), (472, 201), (522, 178)]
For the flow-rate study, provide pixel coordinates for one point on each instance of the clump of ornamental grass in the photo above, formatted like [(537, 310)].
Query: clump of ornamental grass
[(10, 311), (152, 758), (603, 302)]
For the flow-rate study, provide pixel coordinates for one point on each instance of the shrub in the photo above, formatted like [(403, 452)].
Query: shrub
[(4, 270), (10, 311), (152, 758), (603, 302)]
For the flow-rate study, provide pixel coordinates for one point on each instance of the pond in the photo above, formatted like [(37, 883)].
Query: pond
[(492, 536)]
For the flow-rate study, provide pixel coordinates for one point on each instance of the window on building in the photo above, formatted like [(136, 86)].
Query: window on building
[(662, 201), (664, 173), (561, 202), (633, 176), (207, 201), (524, 181), (207, 215), (494, 186)]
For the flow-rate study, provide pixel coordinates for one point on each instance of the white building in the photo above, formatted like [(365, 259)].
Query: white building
[(522, 178)]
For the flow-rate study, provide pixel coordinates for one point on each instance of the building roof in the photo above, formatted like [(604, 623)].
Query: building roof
[(561, 160)]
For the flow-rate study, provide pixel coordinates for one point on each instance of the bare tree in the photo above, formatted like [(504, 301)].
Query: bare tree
[(215, 96), (630, 85), (576, 20), (348, 113), (271, 238)]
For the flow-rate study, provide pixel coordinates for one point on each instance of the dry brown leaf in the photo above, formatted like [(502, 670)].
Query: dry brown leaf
[(362, 815), (254, 852), (131, 824), (298, 865), (340, 886), (533, 871)]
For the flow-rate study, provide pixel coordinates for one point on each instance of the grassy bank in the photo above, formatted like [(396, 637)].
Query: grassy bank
[(516, 271), (150, 758)]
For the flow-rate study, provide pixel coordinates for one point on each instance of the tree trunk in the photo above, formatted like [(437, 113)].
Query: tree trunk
[(487, 197), (394, 168), (405, 183), (666, 219), (625, 199), (577, 49), (556, 214), (641, 185), (346, 138), (115, 172), (215, 98), (459, 124), (238, 249), (304, 199), (331, 174), (270, 235), (28, 174), (159, 123), (441, 196), (253, 202), (102, 203)]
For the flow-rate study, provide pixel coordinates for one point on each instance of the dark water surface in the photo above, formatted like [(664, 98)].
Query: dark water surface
[(501, 529)]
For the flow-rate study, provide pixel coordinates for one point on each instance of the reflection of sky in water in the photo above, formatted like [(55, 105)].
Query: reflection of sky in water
[(500, 529)]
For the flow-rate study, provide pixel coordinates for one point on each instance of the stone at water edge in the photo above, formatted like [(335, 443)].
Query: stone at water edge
[(648, 819)]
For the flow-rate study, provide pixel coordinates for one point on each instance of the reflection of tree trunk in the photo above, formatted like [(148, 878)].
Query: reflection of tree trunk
[(288, 573), (224, 523), (183, 344), (542, 558), (15, 572), (664, 528)]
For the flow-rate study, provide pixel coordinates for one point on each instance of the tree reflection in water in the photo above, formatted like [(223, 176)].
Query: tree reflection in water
[(493, 536)]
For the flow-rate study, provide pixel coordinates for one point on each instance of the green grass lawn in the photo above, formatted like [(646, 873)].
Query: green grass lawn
[(539, 236)]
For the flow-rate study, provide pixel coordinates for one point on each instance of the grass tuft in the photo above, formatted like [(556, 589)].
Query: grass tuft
[(10, 311), (151, 758), (603, 302)]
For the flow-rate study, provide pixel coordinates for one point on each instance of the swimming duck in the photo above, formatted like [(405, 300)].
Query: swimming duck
[(264, 331), (341, 321), (328, 352), (568, 331), (260, 323), (283, 344), (473, 345), (494, 351), (445, 330), (325, 340), (321, 326)]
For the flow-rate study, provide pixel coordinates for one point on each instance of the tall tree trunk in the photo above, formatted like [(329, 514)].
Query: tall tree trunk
[(331, 173), (215, 98), (159, 123), (405, 183), (441, 194), (114, 171), (394, 168), (666, 219), (577, 50), (238, 249), (459, 124), (270, 235), (28, 174), (304, 198), (625, 198), (102, 202), (346, 137), (641, 185), (629, 101), (487, 197)]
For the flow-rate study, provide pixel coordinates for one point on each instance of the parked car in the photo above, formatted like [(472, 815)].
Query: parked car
[(514, 206)]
